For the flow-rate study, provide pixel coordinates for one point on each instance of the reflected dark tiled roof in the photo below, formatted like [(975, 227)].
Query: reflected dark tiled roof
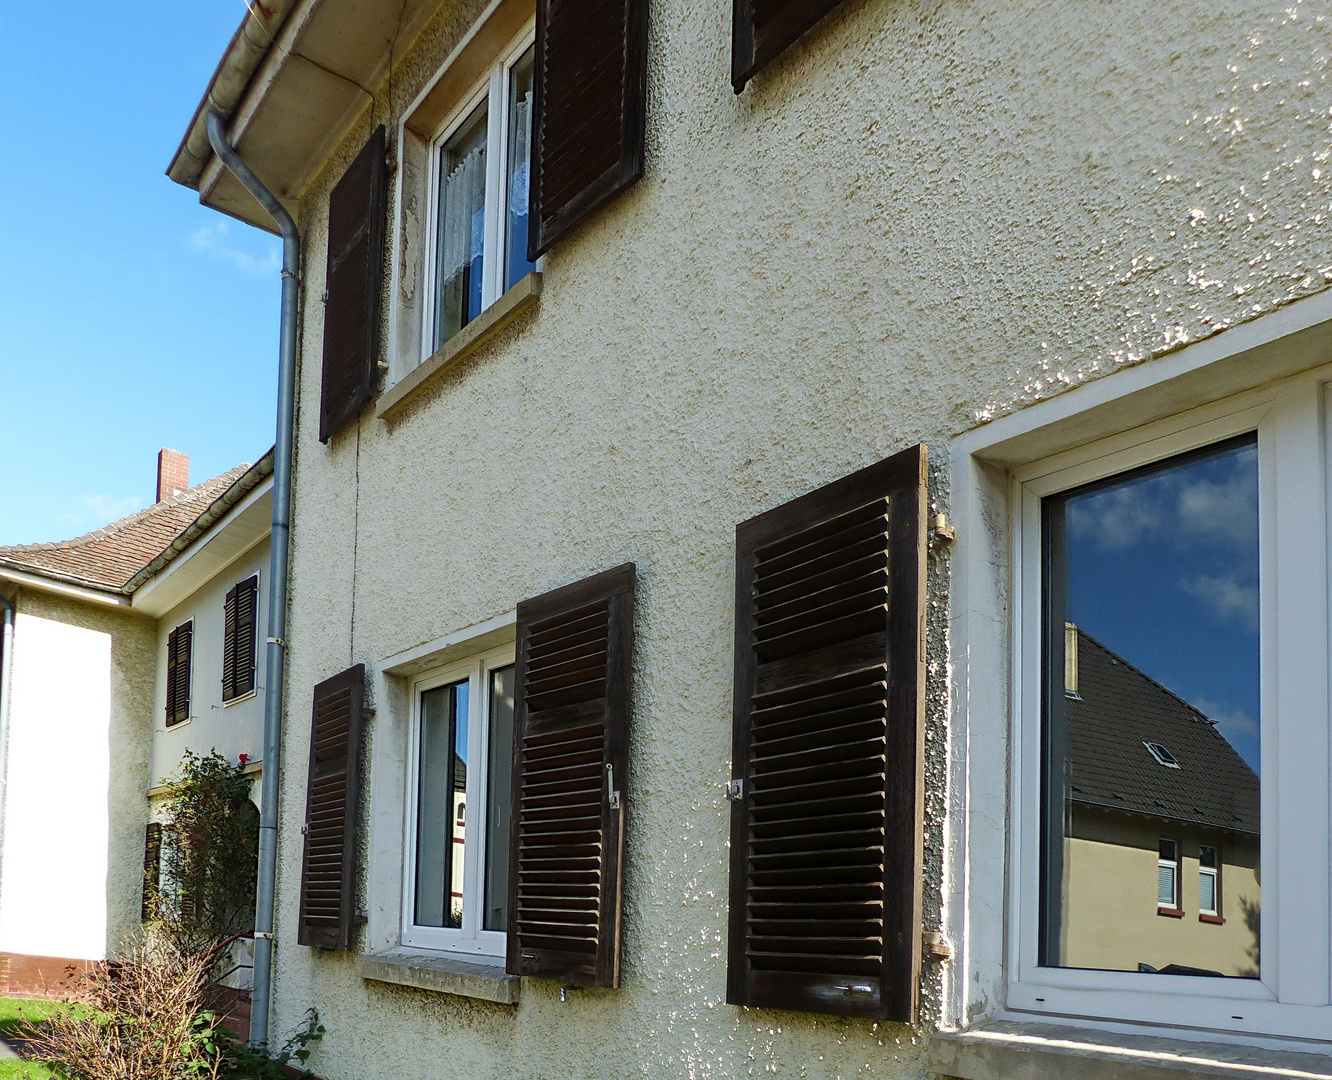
[(1120, 709)]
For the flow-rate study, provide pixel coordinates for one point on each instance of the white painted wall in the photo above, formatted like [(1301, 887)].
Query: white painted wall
[(53, 895), (233, 728)]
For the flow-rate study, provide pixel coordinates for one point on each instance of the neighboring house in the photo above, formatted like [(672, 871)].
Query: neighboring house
[(619, 364), (88, 740), (1165, 818)]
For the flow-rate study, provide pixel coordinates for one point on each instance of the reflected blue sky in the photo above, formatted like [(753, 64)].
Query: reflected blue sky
[(1163, 569)]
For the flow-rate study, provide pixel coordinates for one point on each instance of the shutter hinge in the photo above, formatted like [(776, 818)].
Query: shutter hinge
[(735, 789), (855, 988), (942, 530), (610, 786), (937, 947), (324, 298)]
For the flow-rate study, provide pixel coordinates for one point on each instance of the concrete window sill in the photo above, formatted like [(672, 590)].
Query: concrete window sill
[(442, 974), (522, 297), (1009, 1051)]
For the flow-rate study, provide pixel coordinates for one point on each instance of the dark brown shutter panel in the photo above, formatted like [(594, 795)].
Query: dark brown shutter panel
[(570, 770), (179, 646), (589, 110), (332, 811), (238, 648), (762, 29), (229, 645), (152, 870), (826, 832), (357, 210)]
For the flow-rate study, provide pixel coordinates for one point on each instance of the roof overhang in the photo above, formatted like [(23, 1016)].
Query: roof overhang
[(296, 74), (243, 526), (60, 585)]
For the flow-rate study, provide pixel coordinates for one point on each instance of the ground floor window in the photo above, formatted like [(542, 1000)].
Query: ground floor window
[(456, 894)]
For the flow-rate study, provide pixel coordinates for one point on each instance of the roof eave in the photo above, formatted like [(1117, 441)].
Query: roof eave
[(296, 75)]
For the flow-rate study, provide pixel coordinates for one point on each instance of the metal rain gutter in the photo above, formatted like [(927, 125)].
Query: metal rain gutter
[(277, 579), (6, 676)]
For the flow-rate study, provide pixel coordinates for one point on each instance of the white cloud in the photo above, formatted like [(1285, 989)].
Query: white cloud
[(1224, 510), (1227, 597), (1117, 518), (94, 511), (215, 240)]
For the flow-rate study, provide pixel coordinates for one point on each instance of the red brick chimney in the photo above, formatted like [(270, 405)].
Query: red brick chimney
[(173, 473)]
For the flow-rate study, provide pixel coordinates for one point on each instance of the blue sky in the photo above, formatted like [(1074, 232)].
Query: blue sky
[(131, 317), (1163, 569)]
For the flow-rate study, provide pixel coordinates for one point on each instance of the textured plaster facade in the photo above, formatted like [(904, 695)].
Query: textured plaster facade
[(78, 772), (231, 729), (923, 215)]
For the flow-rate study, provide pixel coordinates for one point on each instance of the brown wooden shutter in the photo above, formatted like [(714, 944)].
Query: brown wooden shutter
[(357, 210), (238, 650), (826, 827), (589, 110), (152, 870), (179, 648), (332, 811), (763, 29), (570, 770)]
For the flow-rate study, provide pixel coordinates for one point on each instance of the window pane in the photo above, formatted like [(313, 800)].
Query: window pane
[(462, 221), (1151, 713), (501, 778), (1207, 893), (1165, 885), (520, 156), (441, 806)]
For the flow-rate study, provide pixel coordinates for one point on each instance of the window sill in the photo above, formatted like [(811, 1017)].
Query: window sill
[(239, 698), (1001, 1050), (1214, 920), (442, 974), (484, 327), (1170, 912)]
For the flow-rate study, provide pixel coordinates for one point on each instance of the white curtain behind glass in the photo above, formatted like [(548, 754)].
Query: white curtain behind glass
[(464, 214)]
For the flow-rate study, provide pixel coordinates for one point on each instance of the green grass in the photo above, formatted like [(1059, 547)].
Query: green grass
[(15, 1014)]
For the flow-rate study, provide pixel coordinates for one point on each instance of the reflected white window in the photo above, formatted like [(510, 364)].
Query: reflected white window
[(1209, 882), (456, 896), (481, 176)]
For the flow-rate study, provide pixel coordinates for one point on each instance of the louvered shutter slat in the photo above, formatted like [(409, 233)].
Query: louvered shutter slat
[(571, 745), (229, 645), (356, 229), (826, 836), (763, 29), (589, 110), (332, 812)]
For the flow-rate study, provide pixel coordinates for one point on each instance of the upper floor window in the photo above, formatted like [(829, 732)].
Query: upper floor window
[(480, 170), (179, 662), (240, 618)]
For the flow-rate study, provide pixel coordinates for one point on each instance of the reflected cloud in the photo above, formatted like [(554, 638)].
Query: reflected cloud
[(1231, 601)]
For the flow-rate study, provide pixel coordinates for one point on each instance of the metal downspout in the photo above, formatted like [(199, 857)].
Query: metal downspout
[(6, 675), (277, 579)]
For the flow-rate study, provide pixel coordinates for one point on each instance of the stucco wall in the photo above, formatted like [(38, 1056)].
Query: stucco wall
[(924, 214), (233, 728), (77, 776)]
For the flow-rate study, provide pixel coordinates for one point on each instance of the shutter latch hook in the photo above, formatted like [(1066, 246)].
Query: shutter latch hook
[(610, 786), (735, 790)]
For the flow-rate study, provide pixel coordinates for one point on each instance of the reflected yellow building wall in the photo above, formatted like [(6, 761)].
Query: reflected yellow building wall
[(1110, 918)]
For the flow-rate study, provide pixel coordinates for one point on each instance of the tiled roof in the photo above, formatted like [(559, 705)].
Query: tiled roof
[(1119, 709), (109, 557)]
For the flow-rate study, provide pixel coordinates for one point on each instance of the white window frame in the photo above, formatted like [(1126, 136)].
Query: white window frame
[(493, 89), (1176, 901), (470, 939), (1213, 872), (1295, 867)]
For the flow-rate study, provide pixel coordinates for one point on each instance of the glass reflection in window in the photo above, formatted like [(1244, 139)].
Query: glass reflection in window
[(441, 806), (516, 264), (462, 227), (1151, 718)]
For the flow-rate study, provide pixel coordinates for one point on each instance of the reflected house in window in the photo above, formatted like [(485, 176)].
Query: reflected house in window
[(1152, 785), (459, 827)]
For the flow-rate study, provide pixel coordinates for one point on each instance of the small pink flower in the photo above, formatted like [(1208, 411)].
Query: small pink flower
[(243, 759)]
